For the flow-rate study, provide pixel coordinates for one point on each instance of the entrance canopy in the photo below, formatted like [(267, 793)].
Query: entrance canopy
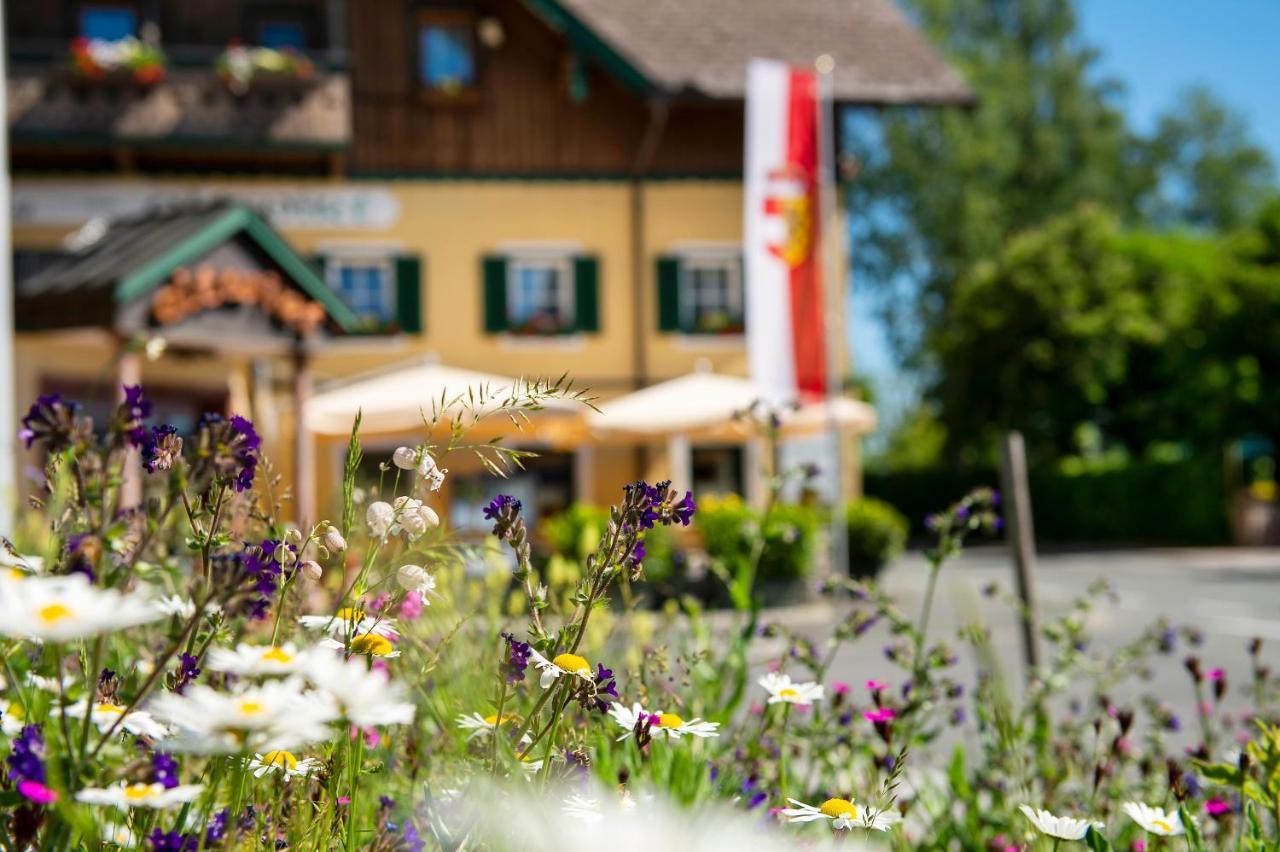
[(209, 274), (400, 399)]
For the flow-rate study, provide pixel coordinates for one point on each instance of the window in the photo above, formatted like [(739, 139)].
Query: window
[(446, 52), (366, 285), (540, 295), (700, 291), (282, 35), (108, 23), (712, 295)]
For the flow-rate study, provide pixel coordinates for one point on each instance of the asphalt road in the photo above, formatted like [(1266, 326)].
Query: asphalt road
[(1230, 595)]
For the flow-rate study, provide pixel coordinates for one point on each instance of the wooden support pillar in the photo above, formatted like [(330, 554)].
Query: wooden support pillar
[(680, 462), (753, 473), (584, 474), (129, 372), (304, 446)]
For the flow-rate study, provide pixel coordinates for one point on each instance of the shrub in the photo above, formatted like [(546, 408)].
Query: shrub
[(575, 531), (877, 533), (730, 528)]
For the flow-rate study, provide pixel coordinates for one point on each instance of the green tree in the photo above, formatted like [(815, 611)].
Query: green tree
[(1212, 173)]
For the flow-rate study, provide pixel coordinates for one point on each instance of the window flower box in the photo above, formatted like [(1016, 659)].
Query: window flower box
[(242, 68), (125, 61)]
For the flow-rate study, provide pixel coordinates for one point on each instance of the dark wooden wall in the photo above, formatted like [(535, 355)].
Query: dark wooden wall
[(522, 119)]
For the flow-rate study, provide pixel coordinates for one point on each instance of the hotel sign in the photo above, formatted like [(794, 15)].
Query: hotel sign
[(289, 208)]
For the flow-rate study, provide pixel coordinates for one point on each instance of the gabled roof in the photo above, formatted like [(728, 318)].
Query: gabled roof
[(135, 255), (702, 47)]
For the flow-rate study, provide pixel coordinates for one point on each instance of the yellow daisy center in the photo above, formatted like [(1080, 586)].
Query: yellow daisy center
[(571, 663), (669, 720), (1162, 825), (283, 759), (836, 808), (138, 792), (109, 708), (371, 644), (492, 719), (278, 655), (248, 707), (348, 613), (53, 613), (788, 692)]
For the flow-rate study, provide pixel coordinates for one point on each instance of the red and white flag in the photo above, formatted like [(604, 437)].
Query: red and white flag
[(786, 332)]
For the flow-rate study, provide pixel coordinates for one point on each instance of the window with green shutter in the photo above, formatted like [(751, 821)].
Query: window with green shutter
[(409, 293), (494, 278), (541, 292), (700, 292), (586, 293)]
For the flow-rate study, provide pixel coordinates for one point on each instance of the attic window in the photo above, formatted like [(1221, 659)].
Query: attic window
[(108, 22), (446, 52)]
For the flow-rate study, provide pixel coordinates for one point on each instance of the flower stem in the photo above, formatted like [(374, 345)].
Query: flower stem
[(782, 753)]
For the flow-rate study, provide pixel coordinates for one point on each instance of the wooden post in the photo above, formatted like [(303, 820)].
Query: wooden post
[(304, 446), (1022, 540)]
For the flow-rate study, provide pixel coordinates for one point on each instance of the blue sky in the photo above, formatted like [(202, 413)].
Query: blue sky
[(1155, 48)]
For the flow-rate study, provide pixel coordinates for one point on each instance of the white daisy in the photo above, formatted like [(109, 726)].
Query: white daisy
[(1063, 828), (106, 714), (660, 724), (350, 621), (275, 715), (176, 605), (842, 813), (782, 690), (365, 698), (248, 660), (118, 835), (584, 808), (60, 609), (480, 725), (125, 795), (1154, 820), (282, 762), (12, 719), (563, 664), (366, 644)]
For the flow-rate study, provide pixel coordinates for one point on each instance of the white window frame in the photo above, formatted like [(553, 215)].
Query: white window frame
[(383, 257), (724, 257), (557, 257)]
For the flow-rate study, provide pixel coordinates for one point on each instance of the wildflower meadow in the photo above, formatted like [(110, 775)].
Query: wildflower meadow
[(195, 671)]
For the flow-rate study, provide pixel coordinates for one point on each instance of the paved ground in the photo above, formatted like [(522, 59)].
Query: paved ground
[(1232, 595)]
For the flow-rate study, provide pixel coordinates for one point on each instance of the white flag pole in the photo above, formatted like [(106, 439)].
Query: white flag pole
[(833, 291), (8, 424)]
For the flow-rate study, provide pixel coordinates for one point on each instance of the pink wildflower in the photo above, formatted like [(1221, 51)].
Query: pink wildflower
[(1216, 806), (37, 792), (876, 686), (880, 714), (411, 606), (840, 688), (1138, 846), (1216, 675)]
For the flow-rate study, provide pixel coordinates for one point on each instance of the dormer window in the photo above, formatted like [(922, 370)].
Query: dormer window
[(446, 52), (282, 35), (101, 22)]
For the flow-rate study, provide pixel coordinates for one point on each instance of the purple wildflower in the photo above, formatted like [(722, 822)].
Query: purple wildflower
[(504, 511), (161, 449), (135, 409), (637, 552), (413, 841), (51, 420), (517, 659), (606, 687), (164, 770), (188, 671), (26, 756), (217, 828), (171, 841)]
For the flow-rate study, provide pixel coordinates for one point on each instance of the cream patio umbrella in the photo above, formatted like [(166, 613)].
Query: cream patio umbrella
[(400, 398)]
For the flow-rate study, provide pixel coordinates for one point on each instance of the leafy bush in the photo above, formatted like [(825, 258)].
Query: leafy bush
[(877, 533), (731, 530), (576, 531)]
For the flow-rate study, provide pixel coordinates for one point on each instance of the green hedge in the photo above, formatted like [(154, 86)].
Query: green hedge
[(1145, 502)]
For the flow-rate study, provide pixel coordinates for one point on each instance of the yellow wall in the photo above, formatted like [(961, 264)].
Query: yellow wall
[(451, 225)]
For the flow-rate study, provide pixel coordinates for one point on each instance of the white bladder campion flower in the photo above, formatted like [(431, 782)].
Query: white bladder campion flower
[(661, 725), (415, 578), (405, 458), (250, 660), (413, 517), (60, 609), (105, 714), (125, 796), (1154, 820), (782, 690), (282, 763), (563, 664), (379, 517), (363, 697), (1063, 828)]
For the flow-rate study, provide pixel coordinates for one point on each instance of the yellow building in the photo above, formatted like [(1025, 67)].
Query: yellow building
[(517, 187)]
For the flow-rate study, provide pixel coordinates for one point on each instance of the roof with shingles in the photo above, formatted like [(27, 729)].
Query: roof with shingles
[(702, 47)]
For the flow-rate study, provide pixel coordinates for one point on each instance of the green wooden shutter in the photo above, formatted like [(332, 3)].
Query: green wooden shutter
[(668, 293), (586, 293), (409, 293), (742, 289), (494, 275)]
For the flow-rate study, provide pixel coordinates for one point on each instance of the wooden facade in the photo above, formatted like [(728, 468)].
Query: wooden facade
[(523, 119)]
